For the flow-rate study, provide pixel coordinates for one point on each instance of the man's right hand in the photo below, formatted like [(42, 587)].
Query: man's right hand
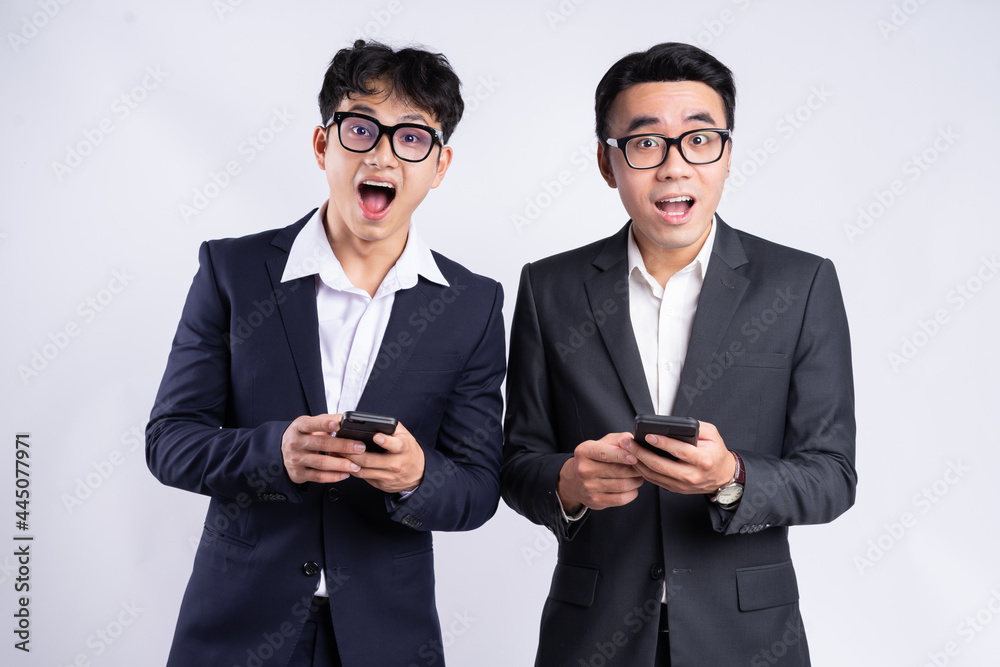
[(601, 474), (303, 446)]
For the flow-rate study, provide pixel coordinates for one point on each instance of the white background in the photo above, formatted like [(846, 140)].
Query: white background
[(835, 102)]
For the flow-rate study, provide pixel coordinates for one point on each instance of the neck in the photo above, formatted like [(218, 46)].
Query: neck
[(365, 262), (662, 263)]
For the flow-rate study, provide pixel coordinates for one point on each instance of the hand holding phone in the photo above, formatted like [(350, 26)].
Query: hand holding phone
[(678, 428), (363, 426)]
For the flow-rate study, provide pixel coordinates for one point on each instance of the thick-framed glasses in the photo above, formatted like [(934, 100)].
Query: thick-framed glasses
[(358, 133), (648, 151)]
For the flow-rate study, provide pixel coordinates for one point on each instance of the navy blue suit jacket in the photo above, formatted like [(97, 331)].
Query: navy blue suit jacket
[(246, 362), (769, 363)]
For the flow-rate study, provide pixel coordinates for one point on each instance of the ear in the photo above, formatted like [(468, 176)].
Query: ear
[(604, 164), (443, 161), (729, 154), (319, 147)]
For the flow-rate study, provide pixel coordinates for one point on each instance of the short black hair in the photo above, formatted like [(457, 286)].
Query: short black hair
[(423, 79), (671, 61)]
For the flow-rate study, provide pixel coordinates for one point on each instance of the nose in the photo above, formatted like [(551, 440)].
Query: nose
[(675, 166), (381, 153)]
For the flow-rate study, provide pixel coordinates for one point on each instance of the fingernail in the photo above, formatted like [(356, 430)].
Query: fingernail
[(355, 467), (359, 448), (631, 459)]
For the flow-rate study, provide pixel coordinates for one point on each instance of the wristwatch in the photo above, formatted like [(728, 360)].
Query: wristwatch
[(727, 496)]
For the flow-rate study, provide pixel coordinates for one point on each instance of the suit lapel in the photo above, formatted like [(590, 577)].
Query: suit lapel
[(616, 331), (397, 345), (297, 305), (721, 294)]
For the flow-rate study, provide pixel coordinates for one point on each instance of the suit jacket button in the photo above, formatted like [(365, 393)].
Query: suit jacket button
[(411, 521), (310, 569), (332, 495), (656, 572)]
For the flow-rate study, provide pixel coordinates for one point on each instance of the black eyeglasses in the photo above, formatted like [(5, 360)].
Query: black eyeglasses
[(648, 151), (410, 142)]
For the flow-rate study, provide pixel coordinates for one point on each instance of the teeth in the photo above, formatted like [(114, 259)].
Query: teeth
[(380, 184), (673, 199)]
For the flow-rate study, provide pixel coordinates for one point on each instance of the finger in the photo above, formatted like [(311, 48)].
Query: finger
[(598, 470), (676, 448), (392, 444), (343, 446), (615, 485), (707, 431), (320, 442), (317, 423), (605, 500), (318, 468), (605, 453)]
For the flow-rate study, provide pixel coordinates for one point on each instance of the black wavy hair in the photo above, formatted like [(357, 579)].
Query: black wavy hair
[(670, 61), (423, 79)]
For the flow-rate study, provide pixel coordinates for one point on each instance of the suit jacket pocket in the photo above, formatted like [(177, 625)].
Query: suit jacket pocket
[(766, 586), (224, 551), (575, 584)]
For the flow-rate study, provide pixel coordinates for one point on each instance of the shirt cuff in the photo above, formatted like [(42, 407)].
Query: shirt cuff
[(566, 517)]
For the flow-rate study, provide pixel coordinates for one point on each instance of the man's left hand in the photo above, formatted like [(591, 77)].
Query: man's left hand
[(701, 468), (399, 469)]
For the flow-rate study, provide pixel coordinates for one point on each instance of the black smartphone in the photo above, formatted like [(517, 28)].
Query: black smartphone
[(363, 426), (678, 428)]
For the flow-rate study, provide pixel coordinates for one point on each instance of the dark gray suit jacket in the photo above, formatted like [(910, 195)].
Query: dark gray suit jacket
[(769, 363)]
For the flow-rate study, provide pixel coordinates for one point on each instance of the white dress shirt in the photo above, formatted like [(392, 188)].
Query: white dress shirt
[(351, 322), (662, 319)]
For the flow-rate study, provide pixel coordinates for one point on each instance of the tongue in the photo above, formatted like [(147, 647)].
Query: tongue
[(373, 198), (674, 207)]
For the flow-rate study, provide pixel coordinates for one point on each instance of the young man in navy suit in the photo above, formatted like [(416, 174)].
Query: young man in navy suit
[(679, 559), (316, 550)]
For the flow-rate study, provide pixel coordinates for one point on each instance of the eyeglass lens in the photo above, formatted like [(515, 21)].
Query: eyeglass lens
[(646, 151), (409, 143)]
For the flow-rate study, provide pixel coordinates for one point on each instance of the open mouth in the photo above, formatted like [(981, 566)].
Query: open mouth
[(675, 207), (375, 197)]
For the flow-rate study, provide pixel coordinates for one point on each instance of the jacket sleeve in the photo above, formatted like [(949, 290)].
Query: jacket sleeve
[(188, 442), (814, 479), (460, 489), (532, 460)]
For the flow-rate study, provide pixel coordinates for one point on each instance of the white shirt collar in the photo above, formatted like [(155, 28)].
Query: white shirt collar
[(310, 254), (699, 263)]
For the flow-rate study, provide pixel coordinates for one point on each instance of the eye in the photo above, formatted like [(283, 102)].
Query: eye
[(360, 130), (647, 143), (698, 140)]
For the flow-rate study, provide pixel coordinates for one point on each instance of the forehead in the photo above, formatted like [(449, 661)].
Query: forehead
[(386, 105), (666, 103)]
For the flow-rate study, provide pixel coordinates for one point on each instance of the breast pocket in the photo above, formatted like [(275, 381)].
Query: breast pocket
[(426, 380)]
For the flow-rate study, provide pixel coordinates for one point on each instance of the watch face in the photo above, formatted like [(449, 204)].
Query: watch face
[(730, 494)]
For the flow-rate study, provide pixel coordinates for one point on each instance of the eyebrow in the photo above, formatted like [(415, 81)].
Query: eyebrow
[(414, 117), (640, 122)]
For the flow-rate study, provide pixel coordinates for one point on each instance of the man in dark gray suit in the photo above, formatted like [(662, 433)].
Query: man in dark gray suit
[(685, 560)]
